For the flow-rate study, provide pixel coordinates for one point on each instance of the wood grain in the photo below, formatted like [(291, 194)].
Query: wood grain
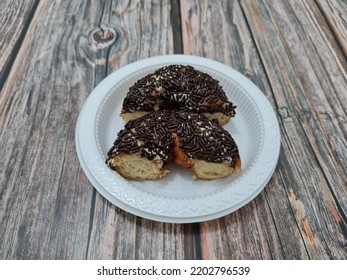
[(45, 196), (15, 17), (335, 14), (309, 93)]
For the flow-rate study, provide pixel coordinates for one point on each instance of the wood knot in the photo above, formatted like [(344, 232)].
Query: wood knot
[(103, 36)]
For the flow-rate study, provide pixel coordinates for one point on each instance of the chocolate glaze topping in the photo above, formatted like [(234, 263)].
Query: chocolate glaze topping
[(178, 87), (148, 135), (200, 137)]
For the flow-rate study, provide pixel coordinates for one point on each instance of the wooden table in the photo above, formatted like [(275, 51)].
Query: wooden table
[(52, 55)]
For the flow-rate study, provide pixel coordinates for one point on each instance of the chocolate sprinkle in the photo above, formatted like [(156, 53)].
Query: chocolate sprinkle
[(200, 137), (178, 87)]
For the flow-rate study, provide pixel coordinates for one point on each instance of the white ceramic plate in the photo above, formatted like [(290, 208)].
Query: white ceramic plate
[(178, 198)]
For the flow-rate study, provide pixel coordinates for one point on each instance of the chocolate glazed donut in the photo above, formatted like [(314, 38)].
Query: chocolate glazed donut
[(191, 140), (178, 87)]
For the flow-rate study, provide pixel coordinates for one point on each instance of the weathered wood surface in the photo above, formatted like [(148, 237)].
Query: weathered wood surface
[(311, 102), (15, 18), (335, 14), (294, 51)]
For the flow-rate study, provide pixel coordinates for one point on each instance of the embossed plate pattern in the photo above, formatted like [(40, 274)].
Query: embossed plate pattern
[(178, 198)]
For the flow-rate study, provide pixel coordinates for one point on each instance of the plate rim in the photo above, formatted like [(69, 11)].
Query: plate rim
[(101, 90)]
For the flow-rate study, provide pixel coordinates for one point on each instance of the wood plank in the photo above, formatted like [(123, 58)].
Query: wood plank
[(15, 17), (45, 196), (308, 78), (280, 47)]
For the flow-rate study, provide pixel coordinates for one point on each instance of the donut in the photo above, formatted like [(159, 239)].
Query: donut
[(146, 144), (178, 87)]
